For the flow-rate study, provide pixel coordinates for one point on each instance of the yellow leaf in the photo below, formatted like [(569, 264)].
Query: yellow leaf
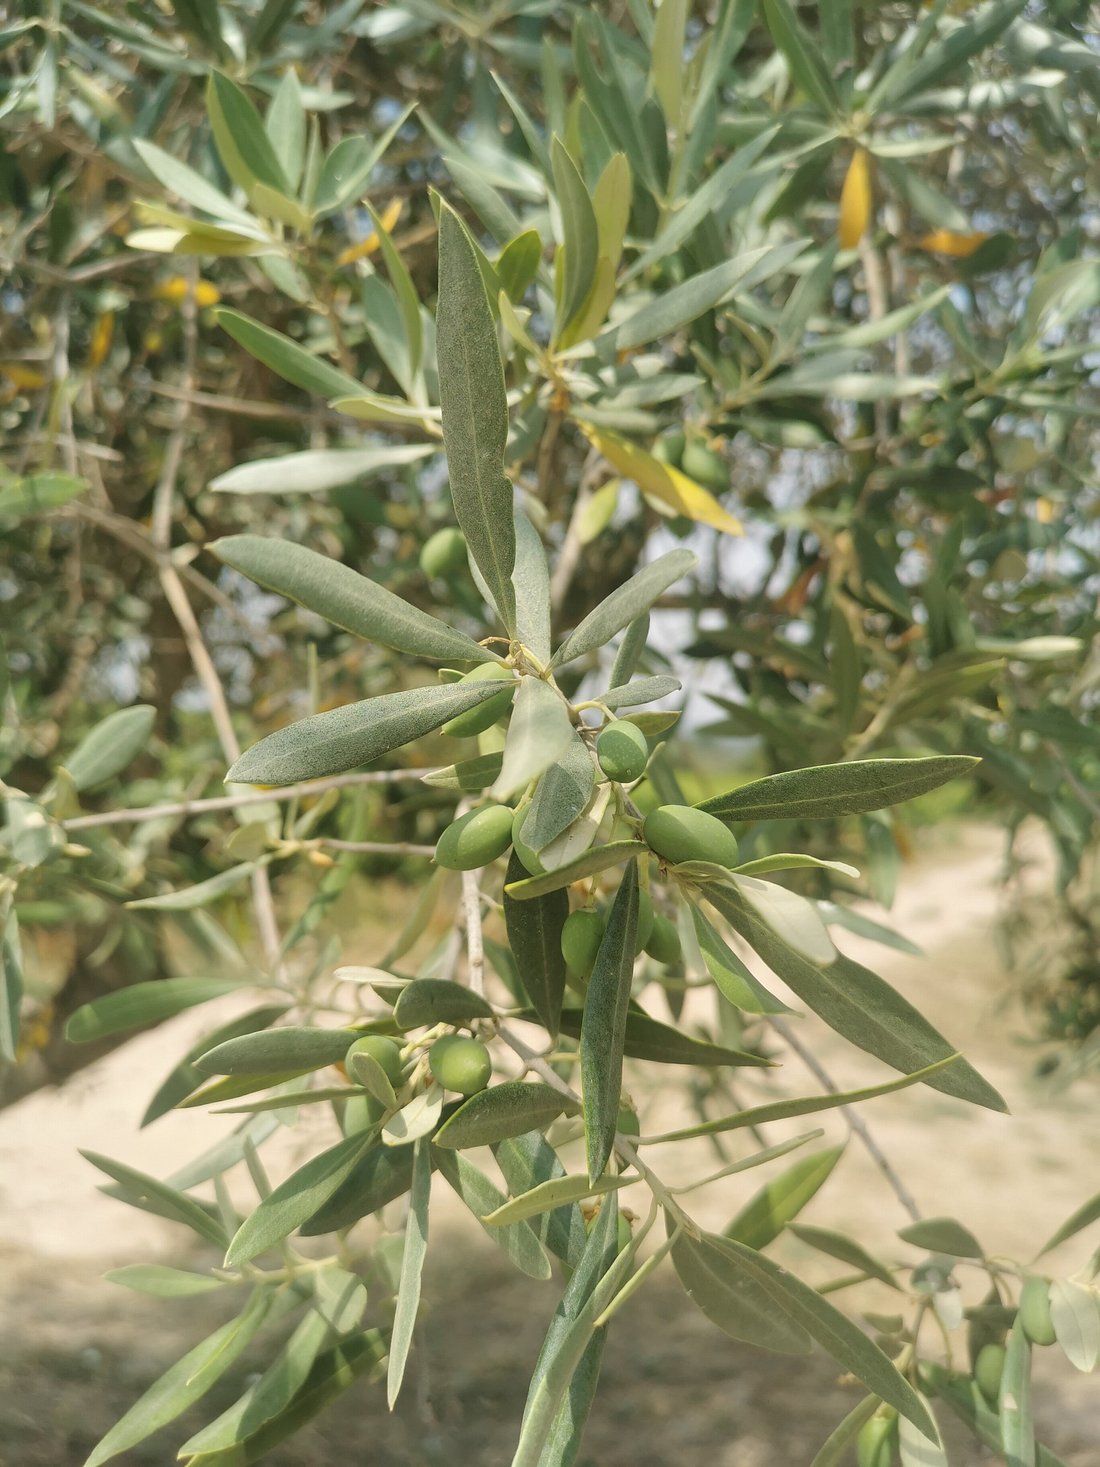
[(26, 379), (390, 215), (672, 490), (947, 242), (855, 200), (100, 344)]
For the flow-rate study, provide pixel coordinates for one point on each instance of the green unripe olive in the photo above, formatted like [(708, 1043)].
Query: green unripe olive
[(460, 1064), (477, 720), (682, 833), (381, 1049), (704, 465), (669, 448), (875, 1443), (645, 920), (622, 751), (475, 839), (361, 1112), (988, 1369), (528, 858), (664, 940), (443, 554), (1035, 1320), (627, 1123), (581, 936)]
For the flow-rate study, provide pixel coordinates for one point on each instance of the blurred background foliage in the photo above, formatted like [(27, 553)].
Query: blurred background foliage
[(830, 271)]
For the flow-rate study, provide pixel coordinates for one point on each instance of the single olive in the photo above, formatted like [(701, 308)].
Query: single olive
[(875, 1443), (988, 1369), (622, 751), (581, 935), (460, 1064), (669, 447), (1035, 1319), (664, 940), (644, 929), (360, 1113), (704, 465), (475, 839), (476, 720), (443, 554), (682, 833), (381, 1049)]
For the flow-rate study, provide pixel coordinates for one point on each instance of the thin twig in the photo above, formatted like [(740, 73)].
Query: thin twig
[(855, 1121), (475, 946), (376, 847), (232, 802)]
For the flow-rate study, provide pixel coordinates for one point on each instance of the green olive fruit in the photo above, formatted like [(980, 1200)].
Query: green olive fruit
[(361, 1112), (664, 940), (669, 448), (645, 920), (988, 1369), (443, 554), (704, 465), (875, 1443), (581, 936), (476, 720), (460, 1064), (475, 839), (622, 751), (528, 858), (384, 1051), (627, 1123), (682, 833), (1035, 1320)]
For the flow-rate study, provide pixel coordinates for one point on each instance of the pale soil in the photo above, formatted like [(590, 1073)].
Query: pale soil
[(75, 1351)]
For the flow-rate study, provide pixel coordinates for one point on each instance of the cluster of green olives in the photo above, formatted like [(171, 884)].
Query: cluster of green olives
[(583, 931), (457, 1062), (1037, 1324)]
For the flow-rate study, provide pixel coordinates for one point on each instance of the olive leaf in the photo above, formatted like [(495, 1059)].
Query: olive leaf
[(603, 1029), (831, 790), (624, 605)]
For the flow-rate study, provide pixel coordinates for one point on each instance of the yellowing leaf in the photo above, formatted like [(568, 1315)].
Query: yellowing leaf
[(673, 491), (26, 379), (855, 200), (390, 215), (947, 242), (596, 515), (176, 287), (102, 333)]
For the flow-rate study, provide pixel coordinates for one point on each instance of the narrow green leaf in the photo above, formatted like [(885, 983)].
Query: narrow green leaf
[(733, 1299), (514, 1236), (557, 1192), (285, 121), (644, 690), (475, 413), (242, 142), (331, 743), (603, 1030), (190, 186), (162, 1282), (190, 898), (627, 602), (942, 1235), (599, 858), (345, 598), (142, 1003), (291, 1048), (1014, 1401), (412, 1269), (916, 1449), (505, 1110), (539, 733), (286, 358), (1075, 1310), (534, 935), (111, 746), (518, 264), (531, 579), (765, 1216), (944, 57), (859, 1005), (11, 984), (471, 776), (525, 1162), (961, 1393), (407, 299), (312, 472), (649, 1039), (1084, 1217), (780, 1110), (149, 1195), (295, 1200), (835, 1332), (834, 1451), (580, 237), (561, 796), (382, 1175), (831, 790), (845, 1250), (802, 55), (184, 1383), (185, 1078), (790, 916), (732, 977), (428, 1001)]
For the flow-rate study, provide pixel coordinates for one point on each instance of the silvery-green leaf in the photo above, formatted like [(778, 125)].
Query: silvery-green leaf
[(603, 1030), (645, 690), (471, 776), (534, 935), (316, 469), (345, 598), (531, 579), (557, 1192), (412, 1268), (830, 790), (561, 795), (111, 746), (515, 1237), (475, 413), (600, 858), (539, 733), (577, 838), (734, 979), (503, 1111), (418, 1118), (916, 1449), (1075, 1312), (629, 601), (779, 1201), (1014, 1401), (792, 916)]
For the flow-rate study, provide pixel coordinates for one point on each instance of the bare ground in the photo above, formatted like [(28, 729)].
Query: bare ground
[(75, 1351)]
